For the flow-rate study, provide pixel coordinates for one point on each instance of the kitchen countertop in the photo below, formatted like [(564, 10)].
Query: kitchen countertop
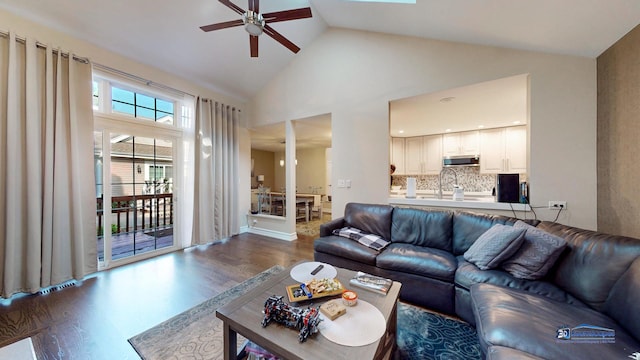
[(472, 200)]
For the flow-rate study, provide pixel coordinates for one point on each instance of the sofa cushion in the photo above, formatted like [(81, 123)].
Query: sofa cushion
[(526, 322), (468, 226), (536, 256), (468, 274), (418, 260), (624, 298), (370, 218), (591, 255), (372, 241), (423, 228), (494, 246), (345, 248)]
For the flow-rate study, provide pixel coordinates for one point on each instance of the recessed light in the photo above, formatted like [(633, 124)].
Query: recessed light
[(448, 130), (401, 131), (516, 122), (480, 126)]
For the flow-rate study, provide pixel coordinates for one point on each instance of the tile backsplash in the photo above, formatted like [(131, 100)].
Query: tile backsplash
[(469, 178)]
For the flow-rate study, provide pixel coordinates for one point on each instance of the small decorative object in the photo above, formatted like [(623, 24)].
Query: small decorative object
[(333, 309), (316, 288), (304, 320), (349, 298), (371, 282)]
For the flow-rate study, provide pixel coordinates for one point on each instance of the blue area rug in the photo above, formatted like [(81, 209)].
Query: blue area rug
[(425, 335)]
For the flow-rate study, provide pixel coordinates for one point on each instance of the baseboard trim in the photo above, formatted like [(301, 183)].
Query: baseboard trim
[(274, 234)]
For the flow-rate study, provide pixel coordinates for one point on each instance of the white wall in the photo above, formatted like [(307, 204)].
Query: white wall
[(353, 75)]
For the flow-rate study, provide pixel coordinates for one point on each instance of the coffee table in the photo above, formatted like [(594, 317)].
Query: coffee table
[(244, 316)]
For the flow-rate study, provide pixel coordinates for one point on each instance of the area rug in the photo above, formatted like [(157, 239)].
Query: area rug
[(197, 332), (427, 335), (312, 228)]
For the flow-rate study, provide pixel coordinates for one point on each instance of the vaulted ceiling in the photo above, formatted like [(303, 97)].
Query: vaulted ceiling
[(166, 34)]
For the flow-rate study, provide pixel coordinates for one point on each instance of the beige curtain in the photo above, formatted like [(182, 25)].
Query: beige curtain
[(216, 172), (47, 200)]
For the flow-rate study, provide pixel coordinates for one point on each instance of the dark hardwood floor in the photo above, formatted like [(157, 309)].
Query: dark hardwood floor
[(94, 319)]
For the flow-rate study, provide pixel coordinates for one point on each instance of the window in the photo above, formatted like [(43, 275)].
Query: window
[(125, 100)]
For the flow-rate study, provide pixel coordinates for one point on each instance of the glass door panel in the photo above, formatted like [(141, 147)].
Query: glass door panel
[(142, 217), (98, 171)]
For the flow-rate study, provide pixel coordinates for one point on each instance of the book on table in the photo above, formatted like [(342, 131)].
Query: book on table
[(371, 282)]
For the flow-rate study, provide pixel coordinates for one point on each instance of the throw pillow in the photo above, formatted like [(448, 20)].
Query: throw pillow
[(536, 256), (494, 246), (372, 241)]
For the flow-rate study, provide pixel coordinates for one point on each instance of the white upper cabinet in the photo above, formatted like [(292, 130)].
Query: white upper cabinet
[(423, 155), (462, 143), (413, 155), (432, 154), (503, 150), (397, 155), (516, 148)]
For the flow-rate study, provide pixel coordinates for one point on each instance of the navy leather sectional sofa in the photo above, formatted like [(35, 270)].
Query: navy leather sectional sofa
[(592, 289)]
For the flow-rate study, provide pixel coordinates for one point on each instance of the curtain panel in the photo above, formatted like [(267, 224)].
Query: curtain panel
[(47, 195), (216, 172)]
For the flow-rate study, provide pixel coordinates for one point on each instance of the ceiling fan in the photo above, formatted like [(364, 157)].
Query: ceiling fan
[(256, 23)]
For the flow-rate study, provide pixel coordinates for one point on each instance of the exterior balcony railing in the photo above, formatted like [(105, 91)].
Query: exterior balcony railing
[(139, 223)]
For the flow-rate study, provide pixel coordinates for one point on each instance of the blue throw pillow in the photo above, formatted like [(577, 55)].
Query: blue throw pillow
[(536, 256), (494, 246)]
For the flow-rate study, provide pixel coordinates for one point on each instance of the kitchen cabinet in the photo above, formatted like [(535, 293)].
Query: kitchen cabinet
[(503, 150), (413, 155), (423, 155), (462, 143), (397, 155)]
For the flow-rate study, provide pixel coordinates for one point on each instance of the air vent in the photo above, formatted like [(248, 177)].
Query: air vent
[(58, 287)]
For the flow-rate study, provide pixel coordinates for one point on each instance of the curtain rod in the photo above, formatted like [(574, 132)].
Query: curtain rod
[(140, 79), (23, 40), (105, 68)]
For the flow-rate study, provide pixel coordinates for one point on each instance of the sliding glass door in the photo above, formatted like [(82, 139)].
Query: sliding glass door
[(134, 191)]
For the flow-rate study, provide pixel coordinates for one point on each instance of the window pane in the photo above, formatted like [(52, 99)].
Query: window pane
[(164, 118), (145, 113), (146, 101), (121, 95), (164, 106), (122, 108), (94, 91)]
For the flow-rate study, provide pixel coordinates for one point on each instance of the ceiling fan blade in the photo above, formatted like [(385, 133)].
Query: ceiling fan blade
[(281, 39), (254, 5), (285, 15), (222, 25), (253, 44), (232, 6)]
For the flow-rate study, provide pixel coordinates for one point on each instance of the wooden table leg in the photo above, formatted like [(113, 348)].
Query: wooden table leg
[(230, 343), (306, 210)]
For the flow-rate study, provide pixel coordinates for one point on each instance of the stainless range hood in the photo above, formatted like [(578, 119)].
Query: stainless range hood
[(461, 160)]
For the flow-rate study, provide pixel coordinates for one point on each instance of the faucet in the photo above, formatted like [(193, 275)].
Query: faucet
[(445, 169)]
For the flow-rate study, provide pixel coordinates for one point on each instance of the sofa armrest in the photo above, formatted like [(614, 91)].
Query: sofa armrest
[(326, 229)]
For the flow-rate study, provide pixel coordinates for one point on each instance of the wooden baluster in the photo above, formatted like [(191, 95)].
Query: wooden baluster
[(117, 211), (99, 213), (127, 207)]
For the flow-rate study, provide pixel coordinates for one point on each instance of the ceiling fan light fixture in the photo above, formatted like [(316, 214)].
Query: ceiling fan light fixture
[(253, 22)]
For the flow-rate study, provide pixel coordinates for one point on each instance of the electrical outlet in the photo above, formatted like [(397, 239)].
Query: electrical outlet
[(557, 205)]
